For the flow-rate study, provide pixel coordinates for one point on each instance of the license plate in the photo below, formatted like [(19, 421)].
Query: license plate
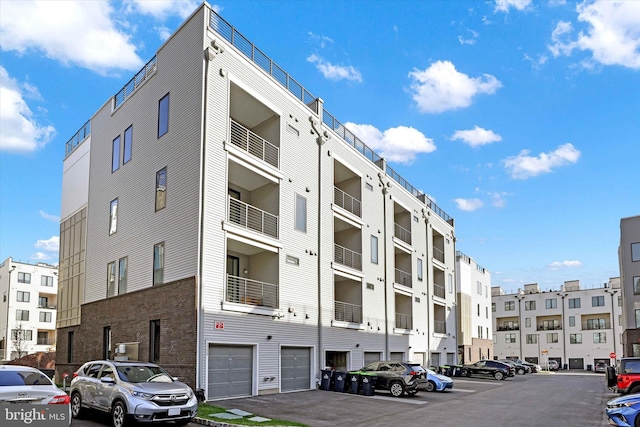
[(174, 411)]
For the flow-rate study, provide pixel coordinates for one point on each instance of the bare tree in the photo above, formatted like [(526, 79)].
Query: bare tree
[(19, 340)]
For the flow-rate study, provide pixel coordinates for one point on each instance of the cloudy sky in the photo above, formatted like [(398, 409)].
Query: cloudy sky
[(520, 118)]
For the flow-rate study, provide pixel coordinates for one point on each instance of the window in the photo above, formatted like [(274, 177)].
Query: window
[(43, 302), (575, 338), (158, 264), (111, 279), (486, 291), (22, 315), (45, 316), (510, 338), (115, 154), (527, 322), (23, 296), (301, 213), (597, 301), (552, 338), (479, 287), (292, 260), (480, 332), (636, 285), (637, 318), (478, 310), (70, 347), (161, 189), (551, 303), (486, 312), (163, 115), (122, 275), (635, 252), (619, 300), (113, 216), (450, 283), (154, 341), (574, 302), (43, 338), (597, 323), (46, 281), (509, 305), (374, 249), (21, 334), (572, 320), (599, 337), (106, 343), (493, 307), (128, 142), (529, 305), (532, 339), (24, 278), (420, 269), (550, 325), (368, 186)]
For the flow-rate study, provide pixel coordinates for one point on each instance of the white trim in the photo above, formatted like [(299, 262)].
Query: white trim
[(343, 271), (346, 325), (250, 238), (401, 289), (402, 245), (347, 216), (253, 163)]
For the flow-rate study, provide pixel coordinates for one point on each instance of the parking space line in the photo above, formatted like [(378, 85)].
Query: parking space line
[(409, 400), (462, 390), (491, 382)]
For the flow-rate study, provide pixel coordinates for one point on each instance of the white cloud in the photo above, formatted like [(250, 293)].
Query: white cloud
[(54, 218), (477, 136), (40, 256), (471, 40), (160, 9), (399, 144), (441, 87), (468, 205), (335, 72), (612, 35), (82, 33), (163, 32), (498, 199), (504, 5), (50, 245), (564, 264), (322, 40), (524, 166), (19, 130)]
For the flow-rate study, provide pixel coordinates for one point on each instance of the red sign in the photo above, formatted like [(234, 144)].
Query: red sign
[(612, 355), (65, 375), (219, 325)]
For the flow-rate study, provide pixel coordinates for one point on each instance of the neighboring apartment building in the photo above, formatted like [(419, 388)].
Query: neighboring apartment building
[(575, 327), (217, 220), (28, 308), (629, 259), (475, 330)]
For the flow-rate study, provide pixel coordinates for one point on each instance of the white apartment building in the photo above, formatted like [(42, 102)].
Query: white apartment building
[(28, 308), (629, 259), (475, 320), (218, 220), (574, 326)]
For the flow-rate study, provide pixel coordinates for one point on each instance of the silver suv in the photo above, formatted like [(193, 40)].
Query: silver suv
[(131, 391)]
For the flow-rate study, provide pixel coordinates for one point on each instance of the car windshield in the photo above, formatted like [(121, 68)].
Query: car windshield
[(13, 378), (141, 374)]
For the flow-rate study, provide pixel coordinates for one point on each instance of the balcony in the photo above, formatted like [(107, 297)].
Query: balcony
[(251, 292), (404, 321), (347, 257), (346, 202), (402, 233), (44, 341), (252, 218), (439, 326), (47, 306), (549, 328), (346, 312), (438, 254), (596, 324), (253, 144), (403, 278), (509, 328), (438, 290)]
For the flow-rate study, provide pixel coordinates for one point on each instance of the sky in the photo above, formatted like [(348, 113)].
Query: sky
[(519, 118)]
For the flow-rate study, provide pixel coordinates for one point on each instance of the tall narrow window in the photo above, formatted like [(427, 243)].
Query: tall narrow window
[(374, 249), (115, 154), (111, 279), (128, 144), (113, 216), (301, 213), (106, 342), (163, 115), (158, 264), (122, 275), (419, 269), (161, 189), (450, 283), (70, 344), (154, 340)]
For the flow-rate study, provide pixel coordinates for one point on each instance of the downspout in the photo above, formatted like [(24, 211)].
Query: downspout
[(455, 297), (385, 191), (425, 216)]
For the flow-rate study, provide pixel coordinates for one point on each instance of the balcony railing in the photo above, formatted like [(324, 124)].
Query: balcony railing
[(403, 278), (402, 233), (509, 328), (346, 312), (253, 144), (47, 306), (147, 71), (76, 139), (438, 254), (252, 218), (404, 321), (251, 292), (549, 328), (44, 341), (347, 257), (345, 201), (588, 326), (440, 326), (438, 290)]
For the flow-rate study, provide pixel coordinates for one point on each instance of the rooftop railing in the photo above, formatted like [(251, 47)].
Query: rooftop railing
[(138, 80), (77, 139)]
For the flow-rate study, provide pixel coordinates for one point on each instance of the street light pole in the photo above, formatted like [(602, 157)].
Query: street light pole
[(520, 298), (7, 331), (564, 338)]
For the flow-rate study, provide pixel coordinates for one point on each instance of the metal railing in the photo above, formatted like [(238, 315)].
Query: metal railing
[(404, 321), (440, 326), (44, 341), (137, 81), (438, 254), (402, 233), (251, 292), (346, 201), (549, 328), (439, 291), (463, 257), (347, 257), (76, 139), (591, 326), (254, 144), (252, 218), (351, 139), (509, 328), (346, 312), (403, 278)]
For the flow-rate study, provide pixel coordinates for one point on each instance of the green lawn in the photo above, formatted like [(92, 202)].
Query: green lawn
[(205, 410)]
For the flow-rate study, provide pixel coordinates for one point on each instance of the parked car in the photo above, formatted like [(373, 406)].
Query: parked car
[(131, 390), (623, 410), (23, 384), (435, 382), (553, 365), (627, 379), (493, 368), (397, 377), (534, 366), (600, 367), (519, 367)]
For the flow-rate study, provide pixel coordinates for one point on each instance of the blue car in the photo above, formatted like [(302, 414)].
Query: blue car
[(623, 410), (436, 382)]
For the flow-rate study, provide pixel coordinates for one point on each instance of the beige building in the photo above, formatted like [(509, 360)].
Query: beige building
[(629, 259)]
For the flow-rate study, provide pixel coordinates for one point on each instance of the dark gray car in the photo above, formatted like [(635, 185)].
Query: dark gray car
[(397, 377)]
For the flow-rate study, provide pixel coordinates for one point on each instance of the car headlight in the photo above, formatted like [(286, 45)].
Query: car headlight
[(190, 394), (622, 405), (141, 394)]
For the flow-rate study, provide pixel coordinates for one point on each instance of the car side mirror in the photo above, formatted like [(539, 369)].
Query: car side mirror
[(108, 380)]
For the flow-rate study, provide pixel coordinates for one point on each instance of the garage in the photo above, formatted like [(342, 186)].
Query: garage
[(577, 363), (230, 371), (295, 368)]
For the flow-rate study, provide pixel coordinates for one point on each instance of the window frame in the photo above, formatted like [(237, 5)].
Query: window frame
[(420, 269), (374, 249), (123, 267), (551, 303), (127, 145), (113, 216), (46, 281), (158, 263), (45, 317), (111, 279), (163, 116), (161, 202), (300, 213), (22, 315), (596, 300), (23, 294), (115, 154), (24, 277), (635, 252)]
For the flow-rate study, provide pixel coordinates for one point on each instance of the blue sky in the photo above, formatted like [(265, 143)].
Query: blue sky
[(521, 119)]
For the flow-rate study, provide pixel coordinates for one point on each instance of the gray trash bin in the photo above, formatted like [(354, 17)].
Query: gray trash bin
[(339, 381), (325, 381)]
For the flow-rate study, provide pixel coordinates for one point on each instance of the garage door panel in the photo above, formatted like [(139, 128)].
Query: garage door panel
[(230, 372), (295, 368)]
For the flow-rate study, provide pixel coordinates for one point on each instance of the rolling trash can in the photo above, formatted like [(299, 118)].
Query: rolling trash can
[(325, 381), (353, 382), (367, 383), (339, 381)]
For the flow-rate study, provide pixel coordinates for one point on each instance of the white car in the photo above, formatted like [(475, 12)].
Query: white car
[(30, 386)]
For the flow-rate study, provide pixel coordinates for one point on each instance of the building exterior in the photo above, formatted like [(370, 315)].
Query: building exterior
[(217, 220), (475, 330), (28, 308), (629, 259), (575, 327)]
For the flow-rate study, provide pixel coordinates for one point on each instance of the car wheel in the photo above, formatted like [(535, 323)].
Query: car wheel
[(634, 389), (396, 389), (431, 386), (465, 373), (498, 375), (521, 371), (118, 414), (76, 406)]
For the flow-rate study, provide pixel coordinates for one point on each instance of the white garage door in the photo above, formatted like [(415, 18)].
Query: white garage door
[(295, 368), (230, 372)]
